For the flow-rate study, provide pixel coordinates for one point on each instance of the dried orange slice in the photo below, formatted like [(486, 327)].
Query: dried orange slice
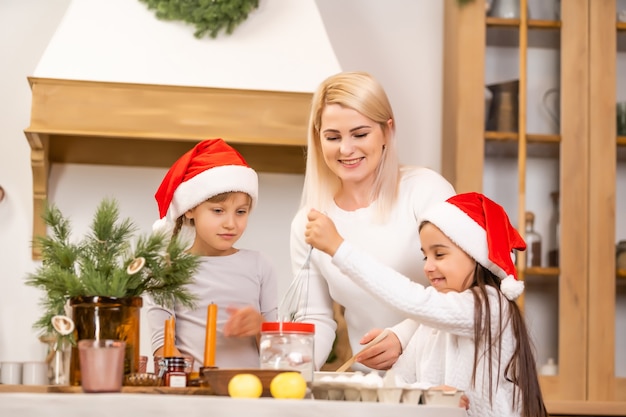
[(63, 324), (136, 265)]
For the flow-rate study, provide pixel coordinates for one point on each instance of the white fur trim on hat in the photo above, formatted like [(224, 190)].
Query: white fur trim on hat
[(511, 287), (471, 237), (214, 181), (161, 226)]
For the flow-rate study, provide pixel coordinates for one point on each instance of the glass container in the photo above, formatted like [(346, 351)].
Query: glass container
[(288, 346)]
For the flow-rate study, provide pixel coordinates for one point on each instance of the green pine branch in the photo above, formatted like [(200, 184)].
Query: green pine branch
[(208, 16), (98, 264)]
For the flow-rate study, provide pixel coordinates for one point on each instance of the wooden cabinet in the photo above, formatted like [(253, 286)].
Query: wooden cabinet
[(570, 307)]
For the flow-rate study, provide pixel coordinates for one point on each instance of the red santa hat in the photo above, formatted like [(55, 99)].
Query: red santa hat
[(482, 229), (212, 167)]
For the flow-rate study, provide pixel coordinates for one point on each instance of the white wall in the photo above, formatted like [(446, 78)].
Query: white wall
[(282, 46)]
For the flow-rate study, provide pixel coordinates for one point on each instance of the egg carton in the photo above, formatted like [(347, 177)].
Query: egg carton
[(392, 395), (349, 386)]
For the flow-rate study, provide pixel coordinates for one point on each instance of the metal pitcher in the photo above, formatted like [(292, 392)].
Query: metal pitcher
[(503, 112)]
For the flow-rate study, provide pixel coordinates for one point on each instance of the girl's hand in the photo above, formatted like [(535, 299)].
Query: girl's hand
[(321, 233), (464, 402), (243, 322), (383, 354)]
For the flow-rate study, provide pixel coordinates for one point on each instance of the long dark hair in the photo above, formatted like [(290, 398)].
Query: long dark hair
[(521, 369)]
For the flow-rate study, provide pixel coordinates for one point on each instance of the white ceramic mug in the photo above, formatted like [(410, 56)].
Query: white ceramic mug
[(35, 373), (11, 373)]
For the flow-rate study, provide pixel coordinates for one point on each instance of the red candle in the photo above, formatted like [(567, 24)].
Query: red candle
[(211, 333), (168, 343)]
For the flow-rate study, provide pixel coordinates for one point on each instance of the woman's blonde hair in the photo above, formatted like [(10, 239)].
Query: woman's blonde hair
[(361, 92)]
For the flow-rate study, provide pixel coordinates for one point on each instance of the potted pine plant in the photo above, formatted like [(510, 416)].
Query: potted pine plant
[(99, 280)]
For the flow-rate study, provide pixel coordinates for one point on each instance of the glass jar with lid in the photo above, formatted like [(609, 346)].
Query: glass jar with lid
[(288, 346), (172, 371)]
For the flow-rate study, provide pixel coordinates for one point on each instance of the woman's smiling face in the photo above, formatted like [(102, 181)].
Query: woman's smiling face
[(447, 266), (351, 143)]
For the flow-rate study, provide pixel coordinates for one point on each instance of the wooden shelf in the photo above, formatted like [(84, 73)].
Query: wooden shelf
[(505, 33), (147, 125), (551, 271), (514, 136), (532, 23), (581, 292)]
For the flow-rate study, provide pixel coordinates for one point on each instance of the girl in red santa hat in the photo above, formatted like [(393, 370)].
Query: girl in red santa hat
[(207, 195), (472, 335)]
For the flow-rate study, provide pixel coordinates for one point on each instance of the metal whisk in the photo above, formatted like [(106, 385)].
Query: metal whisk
[(296, 298)]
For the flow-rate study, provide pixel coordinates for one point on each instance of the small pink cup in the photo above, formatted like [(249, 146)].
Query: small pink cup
[(101, 364)]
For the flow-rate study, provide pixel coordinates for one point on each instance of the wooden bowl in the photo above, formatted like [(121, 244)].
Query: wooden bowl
[(217, 379)]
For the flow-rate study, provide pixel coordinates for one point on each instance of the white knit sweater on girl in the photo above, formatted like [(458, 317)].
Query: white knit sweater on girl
[(441, 350)]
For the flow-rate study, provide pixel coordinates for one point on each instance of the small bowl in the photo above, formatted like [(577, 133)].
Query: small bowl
[(142, 380), (217, 379)]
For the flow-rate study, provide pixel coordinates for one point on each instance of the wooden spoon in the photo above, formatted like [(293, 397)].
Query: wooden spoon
[(369, 344)]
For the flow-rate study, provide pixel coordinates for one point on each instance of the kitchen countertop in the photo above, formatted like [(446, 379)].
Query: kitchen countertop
[(15, 402)]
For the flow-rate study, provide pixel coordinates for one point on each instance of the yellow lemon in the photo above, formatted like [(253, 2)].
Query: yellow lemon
[(245, 386), (288, 385)]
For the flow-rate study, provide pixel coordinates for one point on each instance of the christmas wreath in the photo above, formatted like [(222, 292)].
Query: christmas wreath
[(208, 16)]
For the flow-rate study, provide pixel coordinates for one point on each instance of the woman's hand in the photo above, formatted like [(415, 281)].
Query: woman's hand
[(243, 322), (321, 233), (383, 354)]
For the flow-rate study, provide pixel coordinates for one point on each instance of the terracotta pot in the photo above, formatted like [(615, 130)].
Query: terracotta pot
[(106, 318)]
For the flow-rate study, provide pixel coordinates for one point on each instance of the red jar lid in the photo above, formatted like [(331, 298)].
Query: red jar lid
[(287, 326)]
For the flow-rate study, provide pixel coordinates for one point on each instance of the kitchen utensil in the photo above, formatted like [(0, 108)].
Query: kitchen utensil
[(294, 303), (369, 344)]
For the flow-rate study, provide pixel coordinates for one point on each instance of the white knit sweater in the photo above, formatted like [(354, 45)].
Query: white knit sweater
[(441, 350)]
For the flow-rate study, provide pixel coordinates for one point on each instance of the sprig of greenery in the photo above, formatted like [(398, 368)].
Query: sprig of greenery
[(208, 16), (98, 264)]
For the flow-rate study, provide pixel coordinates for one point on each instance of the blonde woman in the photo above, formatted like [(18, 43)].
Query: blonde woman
[(353, 175)]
